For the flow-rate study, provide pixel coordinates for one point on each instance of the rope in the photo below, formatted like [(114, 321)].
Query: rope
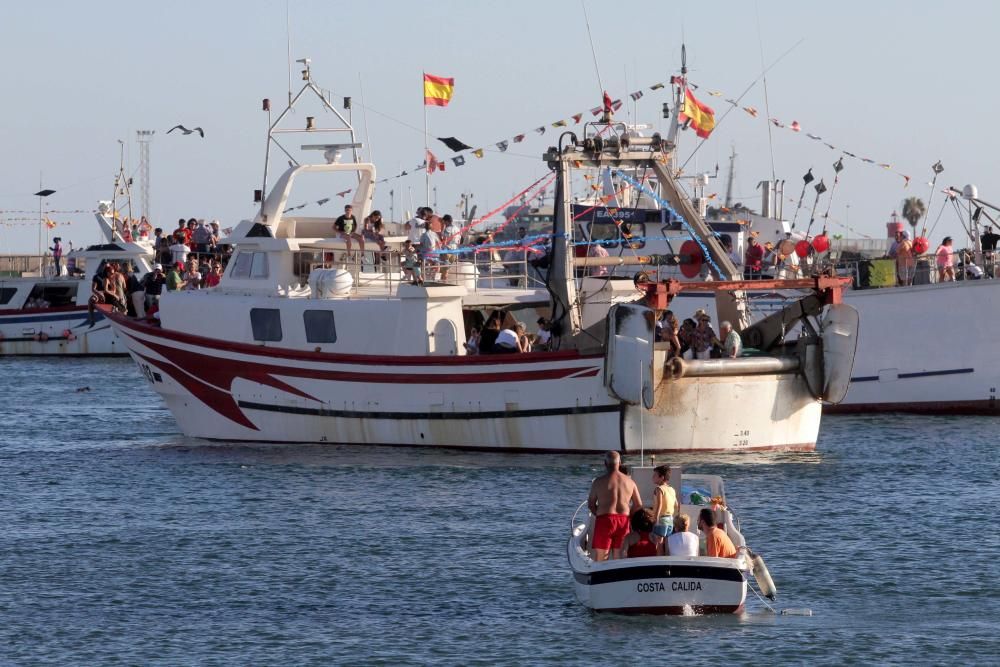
[(666, 206), (759, 597)]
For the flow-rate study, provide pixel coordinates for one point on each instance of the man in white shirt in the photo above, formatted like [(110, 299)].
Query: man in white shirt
[(416, 224), (731, 341), (544, 337), (681, 542), (506, 342), (179, 252)]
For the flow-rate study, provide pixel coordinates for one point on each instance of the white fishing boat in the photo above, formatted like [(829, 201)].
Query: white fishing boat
[(305, 340), (668, 584), (44, 314)]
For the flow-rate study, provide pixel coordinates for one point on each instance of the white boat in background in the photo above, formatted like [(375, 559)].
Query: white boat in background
[(668, 584), (47, 315), (307, 341)]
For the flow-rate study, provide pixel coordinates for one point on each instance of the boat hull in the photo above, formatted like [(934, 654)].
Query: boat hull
[(916, 350), (658, 585), (57, 332), (533, 402)]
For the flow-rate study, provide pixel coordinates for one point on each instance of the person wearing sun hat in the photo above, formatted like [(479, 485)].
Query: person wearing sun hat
[(704, 335)]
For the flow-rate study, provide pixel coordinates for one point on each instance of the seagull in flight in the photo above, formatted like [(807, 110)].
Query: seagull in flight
[(183, 129)]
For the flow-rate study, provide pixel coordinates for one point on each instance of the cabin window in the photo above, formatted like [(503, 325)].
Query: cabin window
[(638, 232), (6, 294), (320, 327), (607, 232), (266, 324), (241, 265), (249, 265), (258, 269)]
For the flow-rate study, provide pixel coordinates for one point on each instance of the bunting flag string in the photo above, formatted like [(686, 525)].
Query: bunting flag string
[(796, 127)]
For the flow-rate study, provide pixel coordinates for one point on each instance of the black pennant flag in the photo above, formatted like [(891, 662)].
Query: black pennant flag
[(454, 144), (459, 161), (809, 178)]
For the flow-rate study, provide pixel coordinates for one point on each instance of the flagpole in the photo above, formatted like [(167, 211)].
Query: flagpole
[(427, 174)]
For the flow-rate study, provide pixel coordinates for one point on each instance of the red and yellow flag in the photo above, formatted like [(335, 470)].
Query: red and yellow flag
[(438, 90), (700, 116)]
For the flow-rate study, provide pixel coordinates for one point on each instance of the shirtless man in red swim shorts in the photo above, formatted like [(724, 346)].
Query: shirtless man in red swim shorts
[(608, 501)]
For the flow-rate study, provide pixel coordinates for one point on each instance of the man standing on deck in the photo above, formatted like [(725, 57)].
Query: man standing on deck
[(610, 495)]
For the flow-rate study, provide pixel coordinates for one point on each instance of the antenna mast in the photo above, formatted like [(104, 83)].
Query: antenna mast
[(732, 173), (145, 137)]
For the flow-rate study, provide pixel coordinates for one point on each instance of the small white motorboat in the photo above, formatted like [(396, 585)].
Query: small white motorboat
[(668, 584)]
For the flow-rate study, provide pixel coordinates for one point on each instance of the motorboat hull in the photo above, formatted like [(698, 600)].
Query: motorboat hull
[(658, 585)]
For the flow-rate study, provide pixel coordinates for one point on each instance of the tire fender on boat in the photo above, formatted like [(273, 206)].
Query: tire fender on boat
[(763, 577)]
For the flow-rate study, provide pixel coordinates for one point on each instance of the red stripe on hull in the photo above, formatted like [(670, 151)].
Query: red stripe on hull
[(221, 371), (373, 359)]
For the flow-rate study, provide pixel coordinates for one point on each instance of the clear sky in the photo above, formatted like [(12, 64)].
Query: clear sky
[(907, 83)]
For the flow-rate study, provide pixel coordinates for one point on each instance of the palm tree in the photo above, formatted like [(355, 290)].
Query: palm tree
[(914, 209)]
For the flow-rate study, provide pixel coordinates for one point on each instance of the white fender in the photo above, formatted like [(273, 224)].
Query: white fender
[(763, 577), (840, 343)]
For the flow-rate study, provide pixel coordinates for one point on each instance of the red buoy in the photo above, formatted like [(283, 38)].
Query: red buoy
[(821, 243), (691, 259), (802, 248)]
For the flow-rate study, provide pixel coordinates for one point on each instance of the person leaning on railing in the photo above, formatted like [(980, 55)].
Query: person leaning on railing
[(945, 256)]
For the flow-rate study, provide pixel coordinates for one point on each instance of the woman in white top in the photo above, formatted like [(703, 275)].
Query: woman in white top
[(681, 542)]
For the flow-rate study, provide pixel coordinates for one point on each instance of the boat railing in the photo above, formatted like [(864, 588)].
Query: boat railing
[(387, 269), (885, 272), (26, 265)]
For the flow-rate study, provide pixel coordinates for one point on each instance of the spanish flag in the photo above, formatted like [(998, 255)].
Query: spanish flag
[(699, 116), (438, 90)]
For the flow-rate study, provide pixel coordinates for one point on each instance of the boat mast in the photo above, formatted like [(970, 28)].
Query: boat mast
[(331, 151), (732, 173), (679, 92)]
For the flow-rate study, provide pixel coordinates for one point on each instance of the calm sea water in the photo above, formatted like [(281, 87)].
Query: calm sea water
[(123, 542)]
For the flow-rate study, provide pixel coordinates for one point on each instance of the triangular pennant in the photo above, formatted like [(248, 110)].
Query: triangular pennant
[(838, 166), (595, 111), (540, 130), (809, 178), (751, 110), (502, 145), (715, 93), (441, 165), (814, 137), (323, 201), (559, 123), (795, 127), (616, 105), (478, 152), (656, 86), (820, 187), (459, 161), (636, 95), (519, 138), (577, 117)]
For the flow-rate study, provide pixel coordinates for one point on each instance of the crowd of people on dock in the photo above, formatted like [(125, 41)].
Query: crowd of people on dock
[(625, 528)]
